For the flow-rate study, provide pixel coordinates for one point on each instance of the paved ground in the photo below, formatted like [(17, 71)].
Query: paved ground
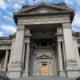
[(44, 78)]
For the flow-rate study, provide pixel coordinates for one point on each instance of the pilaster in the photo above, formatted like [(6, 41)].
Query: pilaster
[(6, 60), (16, 64), (69, 47), (71, 62)]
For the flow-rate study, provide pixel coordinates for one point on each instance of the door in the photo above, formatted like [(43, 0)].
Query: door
[(44, 69)]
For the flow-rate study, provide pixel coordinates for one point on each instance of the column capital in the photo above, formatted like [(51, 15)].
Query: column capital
[(66, 25), (20, 27), (28, 35)]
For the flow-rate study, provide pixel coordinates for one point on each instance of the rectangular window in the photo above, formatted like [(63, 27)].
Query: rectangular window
[(43, 43)]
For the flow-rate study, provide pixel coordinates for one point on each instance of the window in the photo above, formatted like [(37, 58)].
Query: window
[(43, 43), (44, 64), (50, 44), (38, 44)]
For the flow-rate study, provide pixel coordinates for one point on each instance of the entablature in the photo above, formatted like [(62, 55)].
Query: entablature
[(5, 42), (43, 20), (5, 47)]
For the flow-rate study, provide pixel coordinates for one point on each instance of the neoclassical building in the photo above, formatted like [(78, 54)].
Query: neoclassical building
[(43, 45)]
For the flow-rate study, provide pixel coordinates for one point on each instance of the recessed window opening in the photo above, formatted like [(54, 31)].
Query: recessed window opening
[(37, 43), (43, 43), (44, 64), (50, 44)]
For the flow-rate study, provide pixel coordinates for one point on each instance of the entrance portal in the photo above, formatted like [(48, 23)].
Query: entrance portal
[(44, 69)]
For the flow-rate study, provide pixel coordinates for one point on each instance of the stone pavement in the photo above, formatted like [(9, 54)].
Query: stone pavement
[(45, 78)]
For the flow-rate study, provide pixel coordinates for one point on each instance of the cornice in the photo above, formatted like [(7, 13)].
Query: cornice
[(60, 6), (5, 42), (61, 10), (5, 38), (42, 15), (49, 13)]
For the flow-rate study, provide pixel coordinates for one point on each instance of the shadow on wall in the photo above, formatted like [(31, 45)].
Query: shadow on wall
[(78, 78), (3, 76)]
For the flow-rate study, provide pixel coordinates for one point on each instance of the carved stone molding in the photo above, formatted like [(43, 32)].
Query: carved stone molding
[(5, 42), (44, 57), (59, 30)]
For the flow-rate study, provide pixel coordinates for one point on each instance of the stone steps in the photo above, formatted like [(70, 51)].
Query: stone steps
[(45, 78)]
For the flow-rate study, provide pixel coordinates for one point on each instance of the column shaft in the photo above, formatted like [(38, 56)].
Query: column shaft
[(26, 72), (6, 60), (60, 57), (23, 58), (27, 57), (11, 54), (64, 55)]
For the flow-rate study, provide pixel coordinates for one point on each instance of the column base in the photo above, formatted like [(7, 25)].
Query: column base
[(25, 74), (73, 73), (70, 73), (15, 70), (14, 74), (62, 73)]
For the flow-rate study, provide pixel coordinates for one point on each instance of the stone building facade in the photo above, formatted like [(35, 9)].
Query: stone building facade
[(43, 45)]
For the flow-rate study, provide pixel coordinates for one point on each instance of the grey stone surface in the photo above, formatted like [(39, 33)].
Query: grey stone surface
[(45, 78), (44, 21)]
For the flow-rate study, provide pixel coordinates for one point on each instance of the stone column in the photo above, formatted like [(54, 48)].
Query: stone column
[(69, 46), (64, 55), (23, 58), (16, 63), (26, 72), (59, 40), (6, 60), (60, 57)]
